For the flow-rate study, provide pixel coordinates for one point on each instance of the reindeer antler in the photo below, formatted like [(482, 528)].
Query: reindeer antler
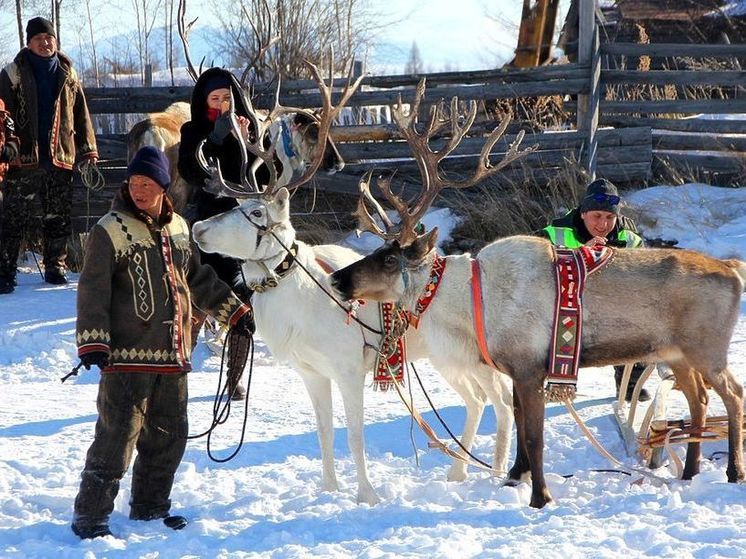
[(428, 162), (329, 112), (265, 154)]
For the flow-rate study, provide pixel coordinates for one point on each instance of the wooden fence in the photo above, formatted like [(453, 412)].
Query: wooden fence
[(629, 125)]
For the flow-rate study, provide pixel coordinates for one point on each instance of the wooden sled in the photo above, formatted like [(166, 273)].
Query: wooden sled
[(656, 432)]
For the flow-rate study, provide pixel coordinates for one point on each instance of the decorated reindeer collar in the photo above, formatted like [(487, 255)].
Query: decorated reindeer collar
[(281, 270), (436, 274)]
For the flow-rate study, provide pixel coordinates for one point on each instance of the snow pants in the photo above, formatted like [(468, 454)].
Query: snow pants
[(143, 411)]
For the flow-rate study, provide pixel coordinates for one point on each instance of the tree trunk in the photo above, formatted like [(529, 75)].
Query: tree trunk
[(19, 22)]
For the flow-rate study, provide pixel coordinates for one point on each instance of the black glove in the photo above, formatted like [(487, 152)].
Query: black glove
[(98, 358), (245, 324), (222, 128)]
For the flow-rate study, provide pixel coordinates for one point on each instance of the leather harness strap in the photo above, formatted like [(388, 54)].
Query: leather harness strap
[(478, 306)]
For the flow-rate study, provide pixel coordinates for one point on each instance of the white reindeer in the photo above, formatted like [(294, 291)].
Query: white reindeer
[(682, 310), (304, 326)]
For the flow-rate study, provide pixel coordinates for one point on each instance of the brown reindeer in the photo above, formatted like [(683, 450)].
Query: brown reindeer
[(677, 306), (163, 130)]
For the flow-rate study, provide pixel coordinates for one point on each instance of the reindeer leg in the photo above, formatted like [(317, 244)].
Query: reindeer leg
[(520, 470), (531, 395), (497, 386), (474, 401), (352, 396), (320, 391), (730, 390), (690, 383)]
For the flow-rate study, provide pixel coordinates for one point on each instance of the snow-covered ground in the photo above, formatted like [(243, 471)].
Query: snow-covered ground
[(267, 501)]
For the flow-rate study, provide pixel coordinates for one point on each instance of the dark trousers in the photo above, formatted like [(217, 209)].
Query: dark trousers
[(142, 411), (26, 193)]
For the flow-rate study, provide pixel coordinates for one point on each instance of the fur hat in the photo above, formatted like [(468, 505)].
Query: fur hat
[(602, 195), (217, 81), (38, 25), (152, 163)]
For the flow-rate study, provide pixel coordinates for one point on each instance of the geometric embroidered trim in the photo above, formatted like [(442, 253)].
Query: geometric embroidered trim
[(93, 335)]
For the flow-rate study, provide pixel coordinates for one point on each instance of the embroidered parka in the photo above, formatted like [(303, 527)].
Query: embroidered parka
[(71, 136), (136, 290)]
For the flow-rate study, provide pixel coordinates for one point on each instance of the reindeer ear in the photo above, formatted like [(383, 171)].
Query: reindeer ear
[(282, 196), (431, 239)]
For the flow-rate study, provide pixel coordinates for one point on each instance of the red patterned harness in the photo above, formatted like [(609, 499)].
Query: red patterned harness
[(571, 269)]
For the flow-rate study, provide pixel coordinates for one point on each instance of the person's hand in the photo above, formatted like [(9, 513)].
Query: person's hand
[(595, 241), (245, 324), (98, 358), (243, 124), (221, 129)]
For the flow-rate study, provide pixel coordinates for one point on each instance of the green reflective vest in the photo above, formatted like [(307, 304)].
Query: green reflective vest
[(565, 237)]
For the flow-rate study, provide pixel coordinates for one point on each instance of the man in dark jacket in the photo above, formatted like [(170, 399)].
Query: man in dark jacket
[(44, 94), (140, 276), (598, 221)]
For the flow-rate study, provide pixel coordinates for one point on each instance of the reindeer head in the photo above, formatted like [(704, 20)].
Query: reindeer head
[(380, 276), (304, 133), (244, 232), (384, 274)]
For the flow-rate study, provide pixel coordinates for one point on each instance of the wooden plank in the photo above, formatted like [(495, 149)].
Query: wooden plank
[(678, 124), (673, 77), (675, 106), (433, 95), (699, 142), (500, 75), (674, 49), (714, 163), (355, 152)]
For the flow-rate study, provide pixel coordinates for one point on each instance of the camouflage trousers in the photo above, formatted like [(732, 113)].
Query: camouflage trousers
[(30, 195), (143, 411)]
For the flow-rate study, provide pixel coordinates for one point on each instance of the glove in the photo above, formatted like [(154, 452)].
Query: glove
[(222, 128), (245, 324), (98, 358)]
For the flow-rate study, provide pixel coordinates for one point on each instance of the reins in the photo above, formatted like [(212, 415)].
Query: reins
[(270, 230)]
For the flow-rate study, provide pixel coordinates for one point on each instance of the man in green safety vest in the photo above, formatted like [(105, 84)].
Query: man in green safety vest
[(597, 221)]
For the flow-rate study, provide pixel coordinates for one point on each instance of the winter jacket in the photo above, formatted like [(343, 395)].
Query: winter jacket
[(569, 231), (71, 136), (228, 154), (136, 289)]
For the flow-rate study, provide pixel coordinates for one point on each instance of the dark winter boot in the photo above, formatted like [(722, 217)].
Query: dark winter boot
[(91, 532), (7, 276), (7, 284), (173, 521), (55, 252), (238, 354), (634, 377), (55, 276)]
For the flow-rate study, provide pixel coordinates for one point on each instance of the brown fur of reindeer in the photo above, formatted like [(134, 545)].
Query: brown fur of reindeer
[(682, 310), (163, 130)]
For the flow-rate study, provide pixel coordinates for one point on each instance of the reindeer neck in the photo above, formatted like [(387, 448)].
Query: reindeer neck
[(451, 269), (263, 274)]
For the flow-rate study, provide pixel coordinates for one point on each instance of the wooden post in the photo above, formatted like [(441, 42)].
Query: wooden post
[(587, 113), (148, 75)]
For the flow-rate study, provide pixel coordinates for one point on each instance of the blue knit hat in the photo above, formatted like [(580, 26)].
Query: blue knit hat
[(601, 194), (152, 163)]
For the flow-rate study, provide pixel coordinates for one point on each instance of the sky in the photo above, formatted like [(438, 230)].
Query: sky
[(267, 502), (448, 35)]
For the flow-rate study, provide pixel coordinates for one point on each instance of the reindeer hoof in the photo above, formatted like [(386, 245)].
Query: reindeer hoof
[(539, 499), (371, 500), (457, 474)]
